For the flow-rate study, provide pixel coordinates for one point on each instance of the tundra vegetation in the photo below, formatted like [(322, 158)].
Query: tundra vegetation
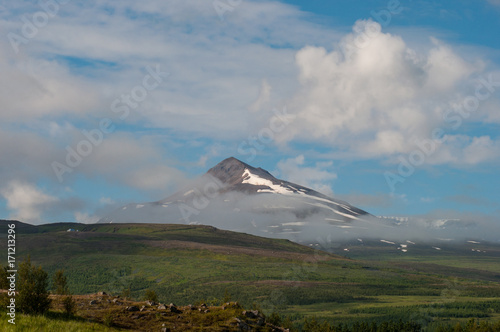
[(125, 274)]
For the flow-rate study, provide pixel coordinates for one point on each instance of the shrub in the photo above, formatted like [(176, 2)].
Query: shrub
[(60, 283), (150, 295), (33, 297), (69, 306)]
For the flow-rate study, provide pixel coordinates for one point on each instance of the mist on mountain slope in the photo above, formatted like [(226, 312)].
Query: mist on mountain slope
[(266, 215), (206, 202)]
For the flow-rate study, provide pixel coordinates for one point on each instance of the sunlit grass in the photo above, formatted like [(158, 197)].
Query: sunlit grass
[(45, 323)]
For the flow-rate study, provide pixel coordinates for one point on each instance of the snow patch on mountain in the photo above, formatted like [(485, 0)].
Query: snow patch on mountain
[(256, 180)]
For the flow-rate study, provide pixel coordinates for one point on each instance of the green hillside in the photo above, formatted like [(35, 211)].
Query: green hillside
[(192, 264)]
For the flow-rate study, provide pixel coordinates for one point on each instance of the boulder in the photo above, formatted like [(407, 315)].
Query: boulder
[(175, 310), (249, 314), (242, 325)]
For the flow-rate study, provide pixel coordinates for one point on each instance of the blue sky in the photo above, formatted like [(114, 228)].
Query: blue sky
[(393, 106)]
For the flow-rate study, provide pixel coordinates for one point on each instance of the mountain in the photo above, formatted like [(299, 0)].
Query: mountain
[(236, 196), (239, 197)]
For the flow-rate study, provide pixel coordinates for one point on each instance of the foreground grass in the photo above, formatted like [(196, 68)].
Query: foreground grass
[(51, 323)]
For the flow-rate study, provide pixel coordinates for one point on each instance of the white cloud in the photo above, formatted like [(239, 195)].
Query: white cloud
[(85, 218), (33, 87), (263, 98), (318, 177), (137, 162), (481, 149), (373, 96), (462, 150), (26, 201), (215, 66), (370, 102)]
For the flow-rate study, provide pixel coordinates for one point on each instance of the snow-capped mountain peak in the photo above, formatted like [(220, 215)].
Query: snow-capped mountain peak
[(233, 192)]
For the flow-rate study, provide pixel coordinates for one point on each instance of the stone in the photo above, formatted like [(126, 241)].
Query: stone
[(162, 307), (102, 293), (92, 302), (175, 310), (244, 326), (133, 308), (249, 314)]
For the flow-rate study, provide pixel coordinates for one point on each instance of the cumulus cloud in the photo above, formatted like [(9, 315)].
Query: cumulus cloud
[(26, 201), (374, 96)]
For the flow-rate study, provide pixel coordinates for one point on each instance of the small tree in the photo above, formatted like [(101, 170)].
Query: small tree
[(150, 295), (33, 297), (60, 286), (60, 283), (69, 305)]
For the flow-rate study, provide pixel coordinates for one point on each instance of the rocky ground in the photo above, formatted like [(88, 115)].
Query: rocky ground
[(114, 311)]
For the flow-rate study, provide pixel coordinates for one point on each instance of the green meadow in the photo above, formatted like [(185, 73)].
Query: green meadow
[(192, 264)]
